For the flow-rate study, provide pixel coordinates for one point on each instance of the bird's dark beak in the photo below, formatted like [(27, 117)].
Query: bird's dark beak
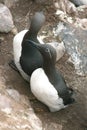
[(71, 91), (73, 95)]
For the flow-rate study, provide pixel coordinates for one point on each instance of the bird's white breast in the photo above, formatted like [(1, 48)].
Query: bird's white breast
[(44, 91), (17, 41), (17, 47)]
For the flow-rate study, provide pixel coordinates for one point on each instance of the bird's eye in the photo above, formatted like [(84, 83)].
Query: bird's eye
[(47, 49)]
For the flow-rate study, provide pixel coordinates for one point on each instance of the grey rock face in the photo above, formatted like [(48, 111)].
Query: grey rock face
[(6, 22), (75, 40), (16, 112), (79, 2)]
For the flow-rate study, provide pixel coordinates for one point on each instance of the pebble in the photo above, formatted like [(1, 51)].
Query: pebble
[(14, 94), (6, 20)]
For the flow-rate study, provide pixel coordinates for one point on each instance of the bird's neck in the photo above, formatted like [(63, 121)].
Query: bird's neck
[(48, 67), (33, 32), (31, 35)]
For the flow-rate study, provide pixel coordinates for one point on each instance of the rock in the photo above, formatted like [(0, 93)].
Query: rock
[(54, 126), (10, 3), (65, 6), (79, 2), (14, 30), (75, 40), (46, 2), (17, 115), (14, 94), (6, 22), (25, 120), (77, 22), (16, 112), (4, 102), (82, 11), (60, 49), (1, 1)]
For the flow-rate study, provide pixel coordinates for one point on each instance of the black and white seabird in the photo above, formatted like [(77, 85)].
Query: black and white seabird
[(47, 83), (25, 55)]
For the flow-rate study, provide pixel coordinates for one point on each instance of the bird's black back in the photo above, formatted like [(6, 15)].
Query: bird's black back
[(30, 59)]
